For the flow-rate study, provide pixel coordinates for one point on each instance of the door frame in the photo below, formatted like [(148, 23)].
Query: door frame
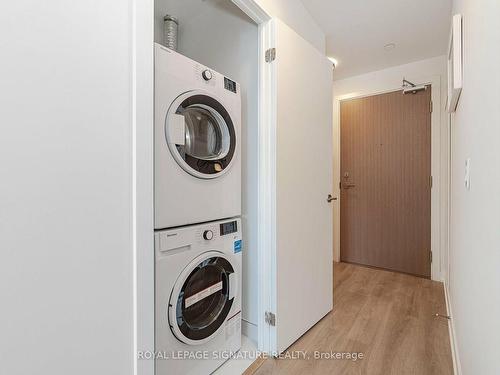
[(266, 197), (439, 201), (141, 129)]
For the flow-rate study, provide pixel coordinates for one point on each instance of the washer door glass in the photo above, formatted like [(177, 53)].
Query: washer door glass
[(205, 141), (207, 137), (205, 299)]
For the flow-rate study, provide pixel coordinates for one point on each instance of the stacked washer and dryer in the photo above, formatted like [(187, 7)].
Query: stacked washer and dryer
[(197, 208)]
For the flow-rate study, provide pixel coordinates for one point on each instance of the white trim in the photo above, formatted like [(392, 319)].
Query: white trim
[(455, 62), (446, 271), (135, 292), (457, 369), (267, 172), (250, 330), (437, 204), (253, 10), (266, 231), (142, 181), (267, 193)]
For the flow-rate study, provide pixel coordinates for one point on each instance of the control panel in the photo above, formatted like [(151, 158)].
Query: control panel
[(216, 235)]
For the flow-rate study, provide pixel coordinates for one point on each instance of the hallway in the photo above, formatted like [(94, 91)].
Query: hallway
[(387, 316)]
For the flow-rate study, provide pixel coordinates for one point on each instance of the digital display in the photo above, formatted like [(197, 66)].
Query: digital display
[(229, 85), (227, 228)]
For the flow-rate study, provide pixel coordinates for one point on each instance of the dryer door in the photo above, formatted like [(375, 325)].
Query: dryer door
[(200, 134), (202, 297)]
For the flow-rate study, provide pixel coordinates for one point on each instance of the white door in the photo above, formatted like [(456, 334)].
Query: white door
[(303, 268)]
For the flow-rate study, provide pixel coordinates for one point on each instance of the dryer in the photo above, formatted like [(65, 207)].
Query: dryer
[(197, 297), (197, 148)]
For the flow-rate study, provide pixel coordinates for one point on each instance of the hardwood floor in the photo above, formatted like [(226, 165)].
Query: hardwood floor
[(387, 316)]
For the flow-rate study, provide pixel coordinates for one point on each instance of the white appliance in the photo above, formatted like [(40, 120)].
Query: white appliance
[(197, 150), (197, 297)]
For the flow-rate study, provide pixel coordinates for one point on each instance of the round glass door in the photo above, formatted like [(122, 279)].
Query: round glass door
[(202, 298), (200, 135)]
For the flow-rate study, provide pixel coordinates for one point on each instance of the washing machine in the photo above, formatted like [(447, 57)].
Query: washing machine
[(197, 148), (197, 297)]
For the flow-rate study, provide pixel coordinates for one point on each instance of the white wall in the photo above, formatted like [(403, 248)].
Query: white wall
[(475, 214), (295, 15), (230, 46), (389, 80), (66, 269)]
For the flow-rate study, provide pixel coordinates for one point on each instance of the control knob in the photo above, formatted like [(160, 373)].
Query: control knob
[(208, 235), (207, 75)]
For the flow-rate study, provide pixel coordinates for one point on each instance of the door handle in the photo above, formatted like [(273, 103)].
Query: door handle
[(330, 198)]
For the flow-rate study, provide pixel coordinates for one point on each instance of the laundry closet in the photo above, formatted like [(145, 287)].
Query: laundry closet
[(206, 159)]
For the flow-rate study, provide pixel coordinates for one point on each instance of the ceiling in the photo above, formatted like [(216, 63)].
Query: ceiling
[(357, 31)]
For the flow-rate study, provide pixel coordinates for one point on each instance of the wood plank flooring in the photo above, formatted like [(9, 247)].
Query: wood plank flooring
[(387, 316)]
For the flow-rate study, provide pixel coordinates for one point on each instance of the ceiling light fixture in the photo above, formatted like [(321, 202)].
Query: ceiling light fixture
[(390, 46)]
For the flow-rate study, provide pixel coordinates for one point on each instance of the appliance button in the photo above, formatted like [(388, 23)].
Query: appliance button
[(208, 235), (207, 75)]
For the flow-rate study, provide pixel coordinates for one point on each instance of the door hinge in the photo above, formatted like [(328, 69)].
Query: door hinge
[(430, 107), (270, 54), (270, 318), (430, 181), (430, 256)]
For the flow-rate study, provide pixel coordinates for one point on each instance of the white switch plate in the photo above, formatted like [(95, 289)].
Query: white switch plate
[(467, 174)]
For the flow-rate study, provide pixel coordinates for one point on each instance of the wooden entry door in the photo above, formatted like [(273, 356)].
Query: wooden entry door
[(385, 206)]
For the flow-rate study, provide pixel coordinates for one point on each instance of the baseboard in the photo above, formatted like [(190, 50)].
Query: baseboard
[(250, 330), (453, 337)]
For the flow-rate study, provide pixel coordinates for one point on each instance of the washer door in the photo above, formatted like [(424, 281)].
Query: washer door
[(200, 134), (202, 298)]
